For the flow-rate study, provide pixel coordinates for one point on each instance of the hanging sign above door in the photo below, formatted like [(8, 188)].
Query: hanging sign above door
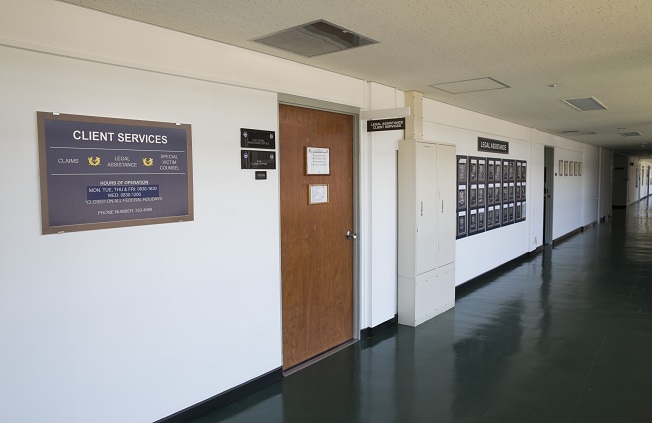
[(385, 124)]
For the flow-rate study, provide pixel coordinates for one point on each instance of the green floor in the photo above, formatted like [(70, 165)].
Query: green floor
[(565, 336)]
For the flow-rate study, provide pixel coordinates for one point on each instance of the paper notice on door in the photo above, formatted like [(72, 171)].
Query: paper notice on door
[(317, 193), (317, 161)]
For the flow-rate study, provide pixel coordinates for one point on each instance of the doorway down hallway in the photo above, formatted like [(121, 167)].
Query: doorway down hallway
[(563, 336)]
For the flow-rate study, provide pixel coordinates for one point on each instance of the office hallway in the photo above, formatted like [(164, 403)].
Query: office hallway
[(564, 336)]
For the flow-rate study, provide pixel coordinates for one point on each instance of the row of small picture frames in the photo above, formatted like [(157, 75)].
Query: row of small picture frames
[(567, 168), (491, 193)]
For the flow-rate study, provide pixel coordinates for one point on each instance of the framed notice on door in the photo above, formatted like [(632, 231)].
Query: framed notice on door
[(317, 161), (317, 193)]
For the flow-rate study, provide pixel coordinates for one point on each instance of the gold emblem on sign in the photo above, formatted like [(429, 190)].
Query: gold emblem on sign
[(148, 162), (94, 161)]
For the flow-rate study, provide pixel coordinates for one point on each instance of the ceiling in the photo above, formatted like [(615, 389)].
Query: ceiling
[(587, 48)]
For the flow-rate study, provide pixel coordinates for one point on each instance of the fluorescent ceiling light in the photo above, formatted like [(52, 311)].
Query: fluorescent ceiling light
[(470, 85), (585, 104)]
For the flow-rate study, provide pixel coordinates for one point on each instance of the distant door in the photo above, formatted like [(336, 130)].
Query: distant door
[(316, 254), (548, 185), (620, 193)]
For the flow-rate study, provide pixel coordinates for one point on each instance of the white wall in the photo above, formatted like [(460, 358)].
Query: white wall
[(59, 28), (648, 177), (142, 322), (637, 179), (590, 183), (134, 324), (575, 197), (380, 213), (478, 254), (630, 179)]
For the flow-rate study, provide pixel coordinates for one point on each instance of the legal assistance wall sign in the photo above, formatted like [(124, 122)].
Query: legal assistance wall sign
[(493, 146)]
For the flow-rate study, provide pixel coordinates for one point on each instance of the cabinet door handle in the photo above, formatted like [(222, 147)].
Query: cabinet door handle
[(422, 208)]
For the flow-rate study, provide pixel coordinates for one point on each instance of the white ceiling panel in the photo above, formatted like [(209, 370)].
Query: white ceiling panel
[(588, 48)]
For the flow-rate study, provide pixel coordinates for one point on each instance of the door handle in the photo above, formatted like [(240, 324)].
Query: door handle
[(351, 235)]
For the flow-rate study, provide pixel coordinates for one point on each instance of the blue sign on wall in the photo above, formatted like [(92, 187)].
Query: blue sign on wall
[(100, 172)]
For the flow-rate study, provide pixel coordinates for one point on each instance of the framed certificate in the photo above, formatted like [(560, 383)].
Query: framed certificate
[(461, 224), (461, 197), (490, 217), (481, 221), (482, 169), (490, 194), (462, 169), (519, 171), (481, 195), (317, 193), (473, 170), (473, 221)]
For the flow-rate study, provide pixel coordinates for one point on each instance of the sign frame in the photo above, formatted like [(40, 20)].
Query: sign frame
[(488, 145), (395, 124), (461, 224), (257, 139), (318, 194), (258, 159), (127, 221), (317, 161)]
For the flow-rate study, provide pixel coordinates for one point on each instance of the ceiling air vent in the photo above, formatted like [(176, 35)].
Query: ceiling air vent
[(630, 134), (585, 104), (315, 38)]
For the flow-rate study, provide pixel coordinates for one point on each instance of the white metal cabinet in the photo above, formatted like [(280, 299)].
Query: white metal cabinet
[(426, 250), (446, 192), (427, 204)]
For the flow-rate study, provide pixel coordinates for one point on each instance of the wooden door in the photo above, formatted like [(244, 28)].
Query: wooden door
[(316, 255)]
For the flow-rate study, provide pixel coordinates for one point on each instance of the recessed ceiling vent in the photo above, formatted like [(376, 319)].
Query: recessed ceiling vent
[(585, 104), (579, 133), (470, 85), (315, 38), (630, 134)]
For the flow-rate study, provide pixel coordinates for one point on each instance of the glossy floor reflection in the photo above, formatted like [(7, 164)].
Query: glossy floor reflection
[(565, 336)]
